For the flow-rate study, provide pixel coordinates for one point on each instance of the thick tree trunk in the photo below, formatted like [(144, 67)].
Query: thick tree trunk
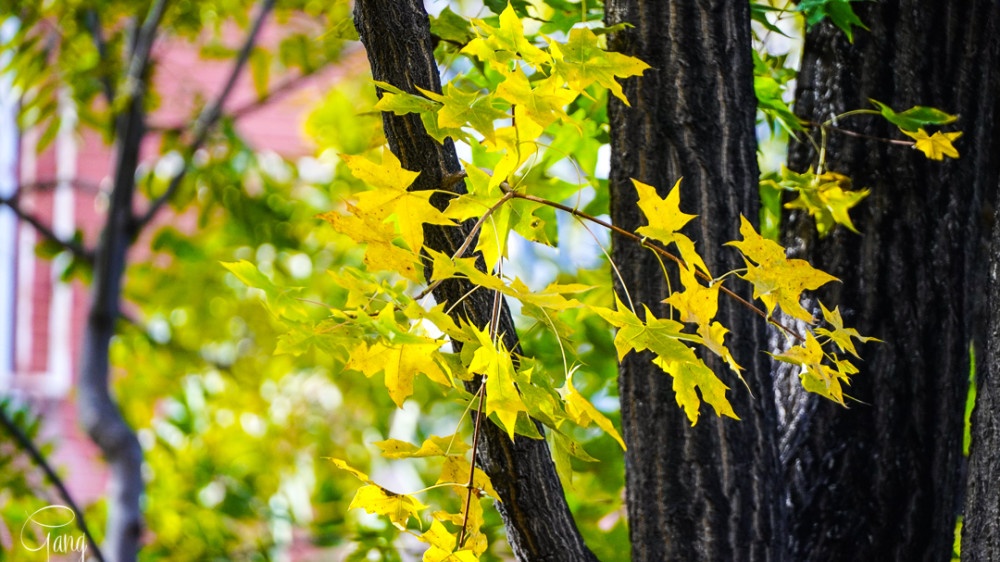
[(539, 524), (704, 492), (882, 480), (981, 529)]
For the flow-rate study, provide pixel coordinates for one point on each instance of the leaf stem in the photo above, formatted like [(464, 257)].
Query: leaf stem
[(472, 466), (827, 126)]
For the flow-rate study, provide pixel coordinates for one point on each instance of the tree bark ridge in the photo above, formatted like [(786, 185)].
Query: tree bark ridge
[(703, 492)]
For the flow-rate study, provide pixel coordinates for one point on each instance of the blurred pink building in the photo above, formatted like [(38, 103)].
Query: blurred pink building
[(41, 319)]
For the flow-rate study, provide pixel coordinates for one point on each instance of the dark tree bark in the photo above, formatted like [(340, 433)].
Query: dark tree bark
[(981, 527), (882, 480), (396, 34), (704, 492)]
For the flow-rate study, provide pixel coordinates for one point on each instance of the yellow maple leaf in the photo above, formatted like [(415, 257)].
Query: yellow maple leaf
[(935, 146), (456, 471), (390, 198), (582, 62), (665, 220), (817, 377), (840, 335), (380, 252), (342, 464), (663, 214), (475, 540), (442, 546), (777, 280), (689, 375), (433, 446), (697, 303), (583, 413), (500, 45), (542, 103), (401, 363), (397, 507), (495, 364), (390, 174)]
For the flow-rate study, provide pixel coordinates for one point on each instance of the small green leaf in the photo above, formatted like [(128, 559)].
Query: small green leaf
[(914, 118)]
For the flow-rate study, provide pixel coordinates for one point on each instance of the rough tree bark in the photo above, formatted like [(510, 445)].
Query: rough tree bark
[(704, 492), (396, 34), (882, 480), (981, 527)]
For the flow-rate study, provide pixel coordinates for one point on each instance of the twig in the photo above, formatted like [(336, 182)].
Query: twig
[(209, 116), (39, 459), (73, 246), (472, 468), (494, 329), (856, 134), (468, 239)]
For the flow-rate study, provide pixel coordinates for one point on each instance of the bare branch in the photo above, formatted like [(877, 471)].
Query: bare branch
[(25, 443), (209, 116), (71, 245)]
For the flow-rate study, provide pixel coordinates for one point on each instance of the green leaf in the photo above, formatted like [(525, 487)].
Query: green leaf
[(914, 118), (840, 13), (451, 27)]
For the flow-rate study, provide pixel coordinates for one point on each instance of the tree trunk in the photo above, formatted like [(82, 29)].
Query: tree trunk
[(99, 413), (981, 527), (540, 527), (882, 479), (703, 492)]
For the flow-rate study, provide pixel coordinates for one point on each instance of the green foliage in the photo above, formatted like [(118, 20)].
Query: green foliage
[(839, 12)]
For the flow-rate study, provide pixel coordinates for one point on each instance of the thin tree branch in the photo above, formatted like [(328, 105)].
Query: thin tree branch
[(856, 134), (71, 245), (143, 45), (209, 116), (25, 443), (93, 22)]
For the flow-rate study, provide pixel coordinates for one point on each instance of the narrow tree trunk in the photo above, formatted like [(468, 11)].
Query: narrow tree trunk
[(704, 492), (981, 527), (99, 413), (540, 527), (882, 479)]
